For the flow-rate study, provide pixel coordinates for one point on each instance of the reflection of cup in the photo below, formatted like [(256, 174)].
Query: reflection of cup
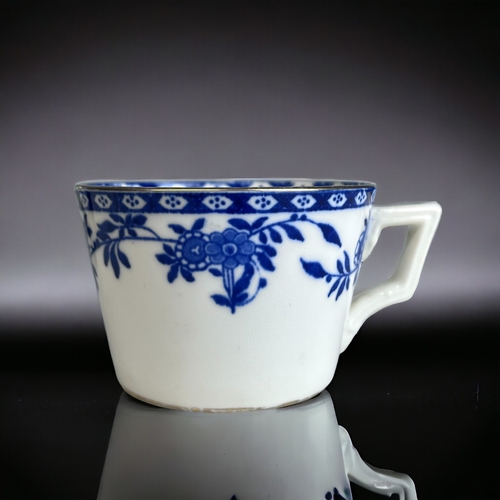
[(237, 294), (290, 453)]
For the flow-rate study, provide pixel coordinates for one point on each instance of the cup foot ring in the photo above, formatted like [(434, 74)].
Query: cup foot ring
[(196, 409)]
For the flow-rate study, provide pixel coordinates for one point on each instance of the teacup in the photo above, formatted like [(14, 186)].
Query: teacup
[(292, 453), (238, 294)]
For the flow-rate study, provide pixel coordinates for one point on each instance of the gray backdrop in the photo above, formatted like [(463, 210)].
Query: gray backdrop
[(405, 95)]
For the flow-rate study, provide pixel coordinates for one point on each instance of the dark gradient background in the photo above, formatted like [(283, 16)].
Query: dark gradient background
[(401, 93)]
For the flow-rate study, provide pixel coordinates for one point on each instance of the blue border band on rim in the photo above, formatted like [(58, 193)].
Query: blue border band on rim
[(223, 196)]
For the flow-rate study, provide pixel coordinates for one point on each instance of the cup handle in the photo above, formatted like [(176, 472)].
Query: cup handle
[(422, 219), (382, 481)]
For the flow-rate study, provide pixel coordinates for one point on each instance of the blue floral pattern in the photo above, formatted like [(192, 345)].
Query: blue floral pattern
[(240, 256), (230, 248)]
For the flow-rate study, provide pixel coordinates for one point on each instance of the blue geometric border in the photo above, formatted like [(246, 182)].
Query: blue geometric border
[(224, 201)]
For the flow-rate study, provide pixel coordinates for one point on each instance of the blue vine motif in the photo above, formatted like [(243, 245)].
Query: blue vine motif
[(342, 278), (238, 255)]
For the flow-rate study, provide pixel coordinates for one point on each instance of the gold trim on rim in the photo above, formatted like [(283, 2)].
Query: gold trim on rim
[(121, 186)]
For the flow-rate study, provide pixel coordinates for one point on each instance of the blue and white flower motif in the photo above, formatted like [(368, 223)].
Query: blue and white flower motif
[(217, 202), (102, 201), (361, 197), (304, 201), (173, 202), (337, 200), (133, 202), (262, 202), (190, 250), (230, 249), (84, 200)]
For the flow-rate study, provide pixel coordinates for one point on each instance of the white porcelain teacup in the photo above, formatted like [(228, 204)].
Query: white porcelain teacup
[(231, 295), (292, 453)]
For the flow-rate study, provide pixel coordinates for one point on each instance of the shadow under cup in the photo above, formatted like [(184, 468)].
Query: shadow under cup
[(225, 295)]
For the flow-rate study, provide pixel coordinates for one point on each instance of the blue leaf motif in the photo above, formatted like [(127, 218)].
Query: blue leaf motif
[(258, 223), (221, 300), (86, 222), (262, 283), (292, 232), (177, 228), (335, 286), (358, 253), (123, 258), (106, 255), (139, 220), (114, 260), (265, 262), (275, 236), (173, 273), (347, 262), (271, 251), (132, 232), (117, 218), (330, 234), (240, 299), (107, 226), (240, 224), (244, 282), (188, 276), (314, 269), (102, 235), (169, 250), (262, 237), (165, 259), (341, 288), (340, 267), (198, 224)]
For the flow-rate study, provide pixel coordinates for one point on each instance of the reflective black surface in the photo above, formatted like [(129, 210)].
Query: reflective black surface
[(421, 401)]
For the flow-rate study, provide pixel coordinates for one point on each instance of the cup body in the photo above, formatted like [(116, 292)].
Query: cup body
[(225, 295)]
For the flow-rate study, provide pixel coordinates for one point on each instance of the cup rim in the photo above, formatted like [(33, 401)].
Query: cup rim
[(222, 184)]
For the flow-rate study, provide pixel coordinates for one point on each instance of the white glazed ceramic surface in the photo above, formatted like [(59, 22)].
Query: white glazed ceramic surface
[(292, 453), (222, 297)]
